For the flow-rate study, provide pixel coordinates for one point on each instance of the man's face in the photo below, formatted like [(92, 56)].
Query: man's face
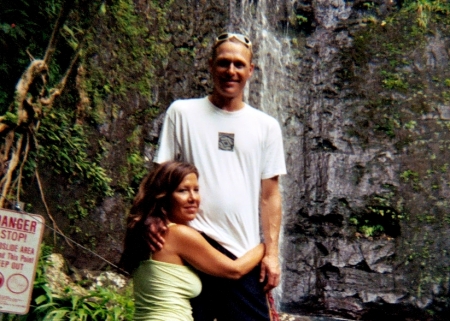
[(230, 69)]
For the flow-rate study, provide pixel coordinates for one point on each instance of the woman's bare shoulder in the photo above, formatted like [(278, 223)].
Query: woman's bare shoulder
[(181, 231), (190, 245)]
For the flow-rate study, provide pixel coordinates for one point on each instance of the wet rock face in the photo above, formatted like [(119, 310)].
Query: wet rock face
[(356, 236)]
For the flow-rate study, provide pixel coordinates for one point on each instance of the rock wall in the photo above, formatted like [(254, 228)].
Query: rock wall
[(357, 242)]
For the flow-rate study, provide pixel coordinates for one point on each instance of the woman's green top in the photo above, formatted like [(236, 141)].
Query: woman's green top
[(162, 291)]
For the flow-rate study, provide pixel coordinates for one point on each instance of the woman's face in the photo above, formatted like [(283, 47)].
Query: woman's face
[(185, 200)]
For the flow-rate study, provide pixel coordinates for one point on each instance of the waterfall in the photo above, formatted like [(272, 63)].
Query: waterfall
[(270, 88), (271, 54)]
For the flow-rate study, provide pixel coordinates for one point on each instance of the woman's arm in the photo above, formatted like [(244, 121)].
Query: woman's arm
[(194, 249)]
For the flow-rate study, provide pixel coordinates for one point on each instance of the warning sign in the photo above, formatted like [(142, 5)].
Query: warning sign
[(20, 238)]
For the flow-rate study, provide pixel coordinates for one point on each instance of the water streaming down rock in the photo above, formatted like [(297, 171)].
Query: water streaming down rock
[(270, 83), (270, 88)]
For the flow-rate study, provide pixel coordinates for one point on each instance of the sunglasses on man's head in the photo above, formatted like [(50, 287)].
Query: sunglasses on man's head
[(227, 35)]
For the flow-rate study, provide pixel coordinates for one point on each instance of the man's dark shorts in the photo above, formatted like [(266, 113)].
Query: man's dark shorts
[(230, 300)]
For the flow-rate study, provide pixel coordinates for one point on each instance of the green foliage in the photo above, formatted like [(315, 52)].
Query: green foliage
[(301, 19), (425, 9), (127, 75), (368, 4), (366, 227), (394, 81), (112, 80), (11, 118), (410, 175), (100, 304), (381, 216), (64, 146), (371, 231), (410, 124), (137, 162), (387, 125), (64, 137), (446, 96), (399, 93), (134, 54)]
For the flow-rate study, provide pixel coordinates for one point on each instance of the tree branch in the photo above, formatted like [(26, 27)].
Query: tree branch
[(65, 9)]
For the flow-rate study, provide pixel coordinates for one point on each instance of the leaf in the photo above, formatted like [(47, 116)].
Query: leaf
[(40, 299), (69, 31), (103, 8), (57, 314), (64, 155)]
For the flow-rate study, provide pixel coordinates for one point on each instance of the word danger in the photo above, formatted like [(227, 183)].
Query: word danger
[(16, 229), (19, 224)]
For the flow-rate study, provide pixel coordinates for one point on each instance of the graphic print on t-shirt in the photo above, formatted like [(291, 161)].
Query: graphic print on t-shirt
[(226, 142)]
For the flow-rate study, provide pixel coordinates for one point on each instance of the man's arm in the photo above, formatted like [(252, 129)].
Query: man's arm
[(270, 220)]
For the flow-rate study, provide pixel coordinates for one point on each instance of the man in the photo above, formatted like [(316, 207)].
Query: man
[(239, 153)]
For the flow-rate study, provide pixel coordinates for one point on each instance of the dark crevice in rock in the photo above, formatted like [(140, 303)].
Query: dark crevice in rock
[(325, 144), (322, 248), (334, 219), (363, 266), (328, 270), (329, 93), (317, 225), (357, 173)]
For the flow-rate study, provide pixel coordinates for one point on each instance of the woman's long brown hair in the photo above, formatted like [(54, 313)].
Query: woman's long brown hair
[(152, 200)]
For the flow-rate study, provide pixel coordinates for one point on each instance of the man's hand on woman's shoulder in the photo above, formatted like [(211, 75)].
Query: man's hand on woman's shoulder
[(156, 228)]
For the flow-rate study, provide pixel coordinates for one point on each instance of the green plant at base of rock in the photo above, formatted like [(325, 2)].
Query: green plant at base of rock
[(99, 304)]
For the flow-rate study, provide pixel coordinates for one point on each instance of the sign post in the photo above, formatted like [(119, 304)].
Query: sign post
[(20, 239)]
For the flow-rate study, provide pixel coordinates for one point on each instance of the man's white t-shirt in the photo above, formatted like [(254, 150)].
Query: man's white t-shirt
[(233, 152)]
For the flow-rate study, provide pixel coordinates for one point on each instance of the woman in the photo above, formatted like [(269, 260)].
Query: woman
[(164, 281)]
